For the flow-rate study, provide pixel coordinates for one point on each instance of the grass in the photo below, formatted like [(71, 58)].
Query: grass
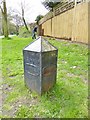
[(67, 99)]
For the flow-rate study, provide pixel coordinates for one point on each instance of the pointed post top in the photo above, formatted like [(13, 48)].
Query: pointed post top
[(40, 45)]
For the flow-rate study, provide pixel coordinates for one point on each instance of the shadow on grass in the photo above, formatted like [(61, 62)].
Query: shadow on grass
[(9, 38)]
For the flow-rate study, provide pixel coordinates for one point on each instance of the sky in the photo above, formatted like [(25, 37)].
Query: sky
[(32, 8)]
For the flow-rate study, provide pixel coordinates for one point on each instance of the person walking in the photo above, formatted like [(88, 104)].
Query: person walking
[(34, 32)]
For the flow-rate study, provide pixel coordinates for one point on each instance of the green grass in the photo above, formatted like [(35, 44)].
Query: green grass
[(67, 99)]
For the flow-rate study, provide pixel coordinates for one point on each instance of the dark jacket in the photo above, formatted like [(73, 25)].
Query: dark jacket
[(35, 29)]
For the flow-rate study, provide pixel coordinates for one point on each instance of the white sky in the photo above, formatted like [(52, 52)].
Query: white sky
[(33, 8)]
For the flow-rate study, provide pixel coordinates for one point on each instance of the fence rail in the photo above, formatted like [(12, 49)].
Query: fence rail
[(60, 8), (63, 8)]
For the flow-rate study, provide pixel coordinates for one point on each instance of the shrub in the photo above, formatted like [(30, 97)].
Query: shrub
[(23, 32)]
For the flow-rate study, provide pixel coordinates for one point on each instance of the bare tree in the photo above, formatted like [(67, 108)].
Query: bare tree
[(16, 19), (23, 13), (4, 18)]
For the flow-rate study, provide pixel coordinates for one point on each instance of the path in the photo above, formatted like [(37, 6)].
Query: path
[(9, 36)]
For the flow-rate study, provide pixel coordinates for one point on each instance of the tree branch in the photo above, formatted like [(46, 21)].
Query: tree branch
[(1, 9)]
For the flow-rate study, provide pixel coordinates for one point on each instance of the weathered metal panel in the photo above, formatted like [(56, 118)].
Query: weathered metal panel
[(40, 68), (32, 70), (49, 69)]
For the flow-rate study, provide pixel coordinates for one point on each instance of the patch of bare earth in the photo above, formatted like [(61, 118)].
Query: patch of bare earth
[(18, 103)]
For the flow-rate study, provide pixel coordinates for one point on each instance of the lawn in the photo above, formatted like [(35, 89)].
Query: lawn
[(67, 99)]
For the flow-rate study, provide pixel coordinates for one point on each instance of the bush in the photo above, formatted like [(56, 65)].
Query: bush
[(23, 32)]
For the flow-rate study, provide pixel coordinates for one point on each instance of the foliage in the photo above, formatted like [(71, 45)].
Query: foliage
[(11, 28), (16, 19), (50, 4), (67, 99), (38, 18), (23, 32), (11, 25), (18, 14)]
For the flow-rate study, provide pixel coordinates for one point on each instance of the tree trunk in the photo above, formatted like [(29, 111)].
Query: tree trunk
[(17, 30), (23, 10), (2, 25), (25, 23), (4, 17)]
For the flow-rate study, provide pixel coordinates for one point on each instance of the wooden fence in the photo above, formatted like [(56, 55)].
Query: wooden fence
[(71, 23)]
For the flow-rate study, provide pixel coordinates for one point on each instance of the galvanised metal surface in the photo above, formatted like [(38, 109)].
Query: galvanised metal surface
[(40, 65), (49, 69)]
